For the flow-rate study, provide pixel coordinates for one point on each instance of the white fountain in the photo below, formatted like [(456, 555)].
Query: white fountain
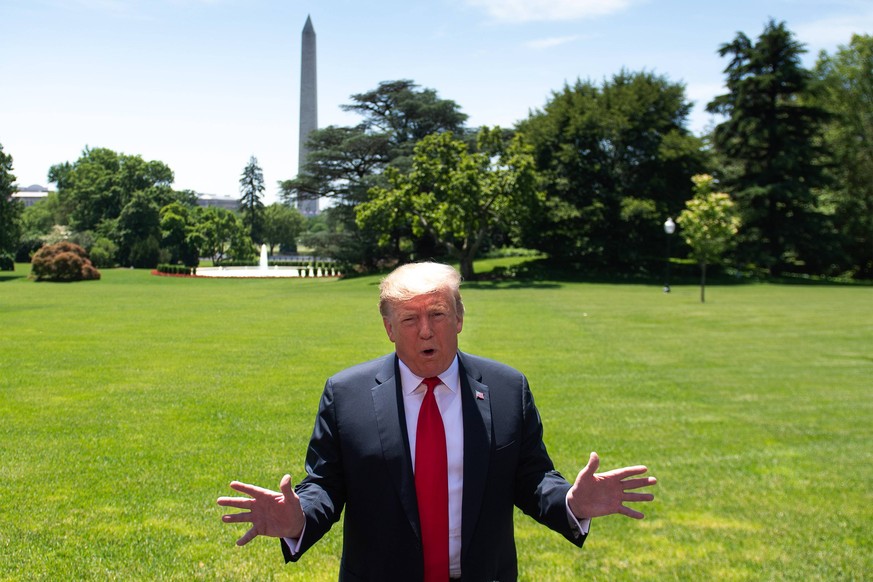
[(263, 265), (262, 271)]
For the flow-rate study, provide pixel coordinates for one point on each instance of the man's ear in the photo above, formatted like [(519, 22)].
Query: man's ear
[(388, 328)]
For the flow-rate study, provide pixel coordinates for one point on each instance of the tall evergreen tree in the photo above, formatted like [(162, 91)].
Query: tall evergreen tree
[(770, 138), (345, 162), (251, 186)]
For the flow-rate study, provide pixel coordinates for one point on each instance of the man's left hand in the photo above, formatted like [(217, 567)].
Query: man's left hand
[(598, 494)]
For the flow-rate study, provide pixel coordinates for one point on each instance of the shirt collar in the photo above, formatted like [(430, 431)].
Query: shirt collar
[(410, 381)]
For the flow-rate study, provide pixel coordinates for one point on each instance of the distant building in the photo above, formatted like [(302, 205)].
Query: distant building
[(31, 195), (207, 200), (35, 193)]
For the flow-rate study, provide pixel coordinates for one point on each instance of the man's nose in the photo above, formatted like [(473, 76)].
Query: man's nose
[(424, 328)]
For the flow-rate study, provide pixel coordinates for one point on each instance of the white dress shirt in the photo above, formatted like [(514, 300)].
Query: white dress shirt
[(448, 399)]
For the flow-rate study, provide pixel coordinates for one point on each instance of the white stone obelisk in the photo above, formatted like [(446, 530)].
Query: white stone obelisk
[(308, 106)]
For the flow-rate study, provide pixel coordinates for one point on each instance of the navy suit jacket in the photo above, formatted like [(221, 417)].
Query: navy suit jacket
[(358, 461)]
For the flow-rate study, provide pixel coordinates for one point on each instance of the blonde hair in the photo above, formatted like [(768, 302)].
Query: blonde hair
[(414, 279)]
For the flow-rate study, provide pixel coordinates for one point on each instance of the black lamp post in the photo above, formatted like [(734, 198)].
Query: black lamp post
[(669, 228)]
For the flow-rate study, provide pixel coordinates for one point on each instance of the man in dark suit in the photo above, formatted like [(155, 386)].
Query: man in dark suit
[(427, 451)]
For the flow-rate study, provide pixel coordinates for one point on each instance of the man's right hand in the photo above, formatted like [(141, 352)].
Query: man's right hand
[(272, 513)]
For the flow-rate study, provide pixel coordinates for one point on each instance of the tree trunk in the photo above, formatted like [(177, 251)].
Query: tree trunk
[(703, 282), (467, 268)]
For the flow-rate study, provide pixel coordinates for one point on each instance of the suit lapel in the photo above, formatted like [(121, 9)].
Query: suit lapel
[(476, 406), (391, 420)]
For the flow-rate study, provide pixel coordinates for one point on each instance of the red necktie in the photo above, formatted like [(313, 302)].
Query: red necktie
[(432, 486)]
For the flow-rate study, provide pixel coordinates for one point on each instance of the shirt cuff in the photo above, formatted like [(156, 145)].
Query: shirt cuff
[(294, 543), (579, 526)]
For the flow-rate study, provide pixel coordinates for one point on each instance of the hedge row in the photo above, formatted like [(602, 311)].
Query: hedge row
[(177, 269), (305, 264)]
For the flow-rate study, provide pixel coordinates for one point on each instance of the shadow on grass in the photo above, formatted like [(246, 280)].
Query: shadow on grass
[(546, 274), (11, 276)]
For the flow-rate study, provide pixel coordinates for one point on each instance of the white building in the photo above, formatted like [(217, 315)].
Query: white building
[(31, 195), (207, 200)]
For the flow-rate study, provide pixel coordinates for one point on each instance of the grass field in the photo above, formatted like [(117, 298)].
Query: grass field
[(128, 404)]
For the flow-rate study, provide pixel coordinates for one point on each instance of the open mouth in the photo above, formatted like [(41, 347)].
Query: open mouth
[(428, 352)]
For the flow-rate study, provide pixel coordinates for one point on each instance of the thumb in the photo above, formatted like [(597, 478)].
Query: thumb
[(592, 466), (286, 488)]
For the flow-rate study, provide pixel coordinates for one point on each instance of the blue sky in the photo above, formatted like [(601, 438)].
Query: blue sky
[(202, 85)]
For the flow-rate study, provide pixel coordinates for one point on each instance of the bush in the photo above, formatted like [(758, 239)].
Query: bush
[(6, 263), (64, 261), (103, 253)]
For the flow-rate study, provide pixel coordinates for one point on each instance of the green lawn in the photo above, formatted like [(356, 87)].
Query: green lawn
[(128, 404)]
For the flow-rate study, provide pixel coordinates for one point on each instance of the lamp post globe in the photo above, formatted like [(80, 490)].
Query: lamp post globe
[(669, 229)]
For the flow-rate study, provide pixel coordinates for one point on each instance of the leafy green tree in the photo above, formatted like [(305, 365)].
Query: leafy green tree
[(772, 136), (220, 231), (10, 210), (39, 218), (101, 182), (251, 186), (179, 235), (455, 196), (138, 231), (615, 159), (103, 253), (844, 88), (709, 225), (282, 226)]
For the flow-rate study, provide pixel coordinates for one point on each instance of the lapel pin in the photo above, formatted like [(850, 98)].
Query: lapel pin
[(479, 395)]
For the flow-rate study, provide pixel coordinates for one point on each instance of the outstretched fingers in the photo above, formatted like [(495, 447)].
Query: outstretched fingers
[(236, 502), (248, 536), (638, 483), (630, 512)]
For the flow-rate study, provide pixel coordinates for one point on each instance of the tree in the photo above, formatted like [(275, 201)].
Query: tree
[(101, 182), (251, 186), (221, 232), (346, 162), (772, 137), (615, 159), (10, 210), (405, 114), (456, 196), (709, 224), (138, 231), (179, 236), (844, 87), (342, 164), (282, 226)]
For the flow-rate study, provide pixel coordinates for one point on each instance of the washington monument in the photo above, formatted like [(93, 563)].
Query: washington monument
[(308, 107)]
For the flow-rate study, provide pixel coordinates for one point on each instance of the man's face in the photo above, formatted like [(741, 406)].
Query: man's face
[(425, 332)]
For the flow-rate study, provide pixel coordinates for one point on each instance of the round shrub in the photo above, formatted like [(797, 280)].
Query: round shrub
[(64, 261)]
